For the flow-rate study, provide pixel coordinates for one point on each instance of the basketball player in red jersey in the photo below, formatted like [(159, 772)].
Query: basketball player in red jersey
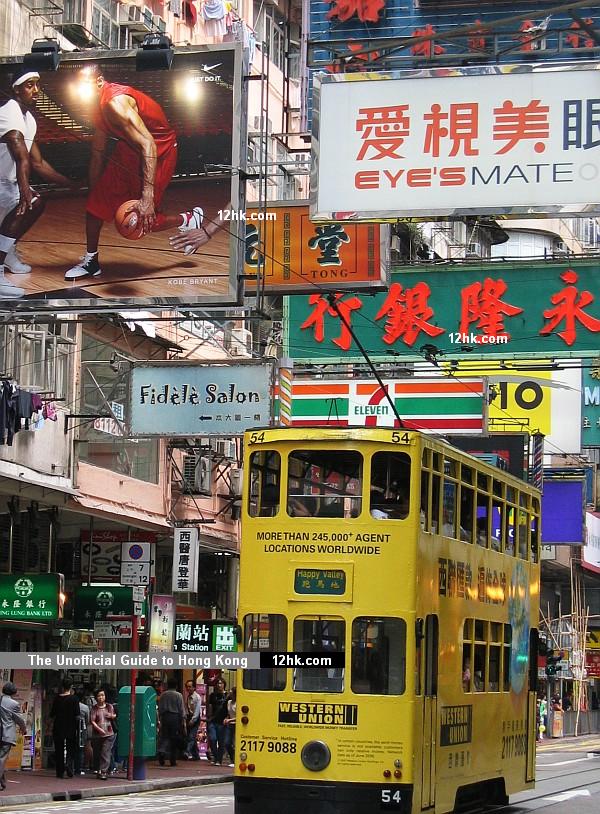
[(140, 166)]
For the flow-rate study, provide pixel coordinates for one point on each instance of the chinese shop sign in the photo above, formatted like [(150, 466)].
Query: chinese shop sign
[(31, 596), (185, 560), (500, 309), (94, 603), (590, 405), (431, 405), (162, 622), (298, 253), (202, 635), (457, 142)]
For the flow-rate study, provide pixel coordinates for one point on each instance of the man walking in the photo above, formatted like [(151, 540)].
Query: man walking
[(171, 714), (216, 715), (20, 205), (65, 729), (10, 718), (194, 709), (140, 166)]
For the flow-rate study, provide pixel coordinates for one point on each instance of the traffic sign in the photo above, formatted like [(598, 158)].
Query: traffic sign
[(135, 573), (112, 630), (138, 593), (136, 561), (138, 608)]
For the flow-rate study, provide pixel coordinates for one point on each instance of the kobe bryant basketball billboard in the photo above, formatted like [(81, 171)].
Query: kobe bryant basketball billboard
[(129, 174)]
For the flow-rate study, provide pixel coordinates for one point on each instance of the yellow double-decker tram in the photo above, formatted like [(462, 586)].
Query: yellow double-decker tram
[(421, 565)]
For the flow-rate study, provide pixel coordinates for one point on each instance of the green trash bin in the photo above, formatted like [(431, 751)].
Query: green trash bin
[(145, 722)]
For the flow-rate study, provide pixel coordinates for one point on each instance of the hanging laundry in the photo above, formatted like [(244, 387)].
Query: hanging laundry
[(175, 7), (8, 411), (213, 14)]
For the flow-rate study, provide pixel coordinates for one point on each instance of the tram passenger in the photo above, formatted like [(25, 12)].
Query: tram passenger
[(466, 676), (298, 507), (482, 531)]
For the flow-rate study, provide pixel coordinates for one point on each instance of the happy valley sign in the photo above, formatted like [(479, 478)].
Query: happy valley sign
[(191, 399)]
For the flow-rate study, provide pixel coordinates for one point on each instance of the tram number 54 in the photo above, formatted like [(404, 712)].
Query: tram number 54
[(390, 798), (400, 438)]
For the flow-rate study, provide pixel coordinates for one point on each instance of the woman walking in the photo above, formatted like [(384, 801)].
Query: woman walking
[(10, 719), (103, 733)]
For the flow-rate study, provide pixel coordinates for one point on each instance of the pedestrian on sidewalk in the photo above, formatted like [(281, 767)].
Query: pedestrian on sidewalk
[(65, 729), (82, 737), (216, 710), (10, 719), (102, 718), (229, 723), (194, 709), (171, 715)]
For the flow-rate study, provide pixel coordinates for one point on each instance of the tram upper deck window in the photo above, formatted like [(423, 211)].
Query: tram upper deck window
[(265, 631), (265, 480), (322, 636), (378, 656), (324, 483), (390, 485)]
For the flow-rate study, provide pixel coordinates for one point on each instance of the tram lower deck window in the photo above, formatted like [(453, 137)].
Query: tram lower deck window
[(378, 656), (265, 631), (322, 636)]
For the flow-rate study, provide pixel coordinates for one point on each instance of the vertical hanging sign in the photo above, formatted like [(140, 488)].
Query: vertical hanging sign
[(162, 623), (185, 560)]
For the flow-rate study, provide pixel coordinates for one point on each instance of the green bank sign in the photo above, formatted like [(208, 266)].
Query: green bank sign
[(31, 597), (94, 603), (492, 310)]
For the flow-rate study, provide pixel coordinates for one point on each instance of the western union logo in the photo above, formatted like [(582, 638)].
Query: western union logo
[(334, 714), (456, 725)]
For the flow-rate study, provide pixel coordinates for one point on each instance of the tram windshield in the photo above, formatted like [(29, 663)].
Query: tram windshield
[(324, 483)]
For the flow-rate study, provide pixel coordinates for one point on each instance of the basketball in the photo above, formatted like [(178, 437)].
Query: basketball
[(128, 222)]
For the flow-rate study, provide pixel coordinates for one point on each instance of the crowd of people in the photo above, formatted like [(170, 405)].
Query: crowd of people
[(84, 726)]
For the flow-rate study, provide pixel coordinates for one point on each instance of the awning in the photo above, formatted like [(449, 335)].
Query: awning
[(119, 512), (19, 480)]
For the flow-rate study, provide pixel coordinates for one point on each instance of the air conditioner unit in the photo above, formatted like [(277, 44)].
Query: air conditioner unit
[(197, 478), (474, 250), (225, 448), (159, 23), (561, 248), (239, 342), (147, 16), (395, 244), (235, 482)]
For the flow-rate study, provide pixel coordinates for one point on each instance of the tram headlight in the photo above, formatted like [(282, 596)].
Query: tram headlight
[(398, 763), (315, 756), (243, 756)]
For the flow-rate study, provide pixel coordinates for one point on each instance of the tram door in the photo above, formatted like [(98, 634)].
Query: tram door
[(430, 711)]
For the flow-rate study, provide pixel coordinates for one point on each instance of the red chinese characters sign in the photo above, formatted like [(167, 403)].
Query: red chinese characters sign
[(497, 309), (448, 143)]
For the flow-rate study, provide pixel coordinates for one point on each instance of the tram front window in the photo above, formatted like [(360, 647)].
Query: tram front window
[(320, 636), (324, 483), (265, 476), (378, 656)]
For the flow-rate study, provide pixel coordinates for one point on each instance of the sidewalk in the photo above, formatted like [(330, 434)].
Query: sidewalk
[(43, 786), (581, 743)]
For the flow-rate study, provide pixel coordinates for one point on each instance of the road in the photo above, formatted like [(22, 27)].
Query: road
[(568, 782)]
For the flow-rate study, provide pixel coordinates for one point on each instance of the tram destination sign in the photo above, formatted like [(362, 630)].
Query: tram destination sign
[(189, 399), (319, 581)]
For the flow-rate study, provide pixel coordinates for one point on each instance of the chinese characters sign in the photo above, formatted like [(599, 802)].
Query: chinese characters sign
[(456, 579), (545, 310), (319, 581), (162, 623), (191, 399), (299, 254), (30, 596), (185, 560), (508, 139), (94, 603), (203, 635)]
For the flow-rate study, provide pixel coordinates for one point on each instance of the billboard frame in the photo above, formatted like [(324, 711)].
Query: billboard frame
[(28, 305), (321, 80)]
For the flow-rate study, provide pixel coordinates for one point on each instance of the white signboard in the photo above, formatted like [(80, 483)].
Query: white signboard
[(136, 563), (112, 630), (457, 141), (590, 553), (548, 552), (185, 560)]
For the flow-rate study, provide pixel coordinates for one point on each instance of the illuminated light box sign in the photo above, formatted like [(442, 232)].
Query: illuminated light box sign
[(173, 399), (31, 597), (562, 512), (194, 114), (202, 635), (430, 405), (500, 139), (319, 581), (299, 254), (504, 309), (97, 602)]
